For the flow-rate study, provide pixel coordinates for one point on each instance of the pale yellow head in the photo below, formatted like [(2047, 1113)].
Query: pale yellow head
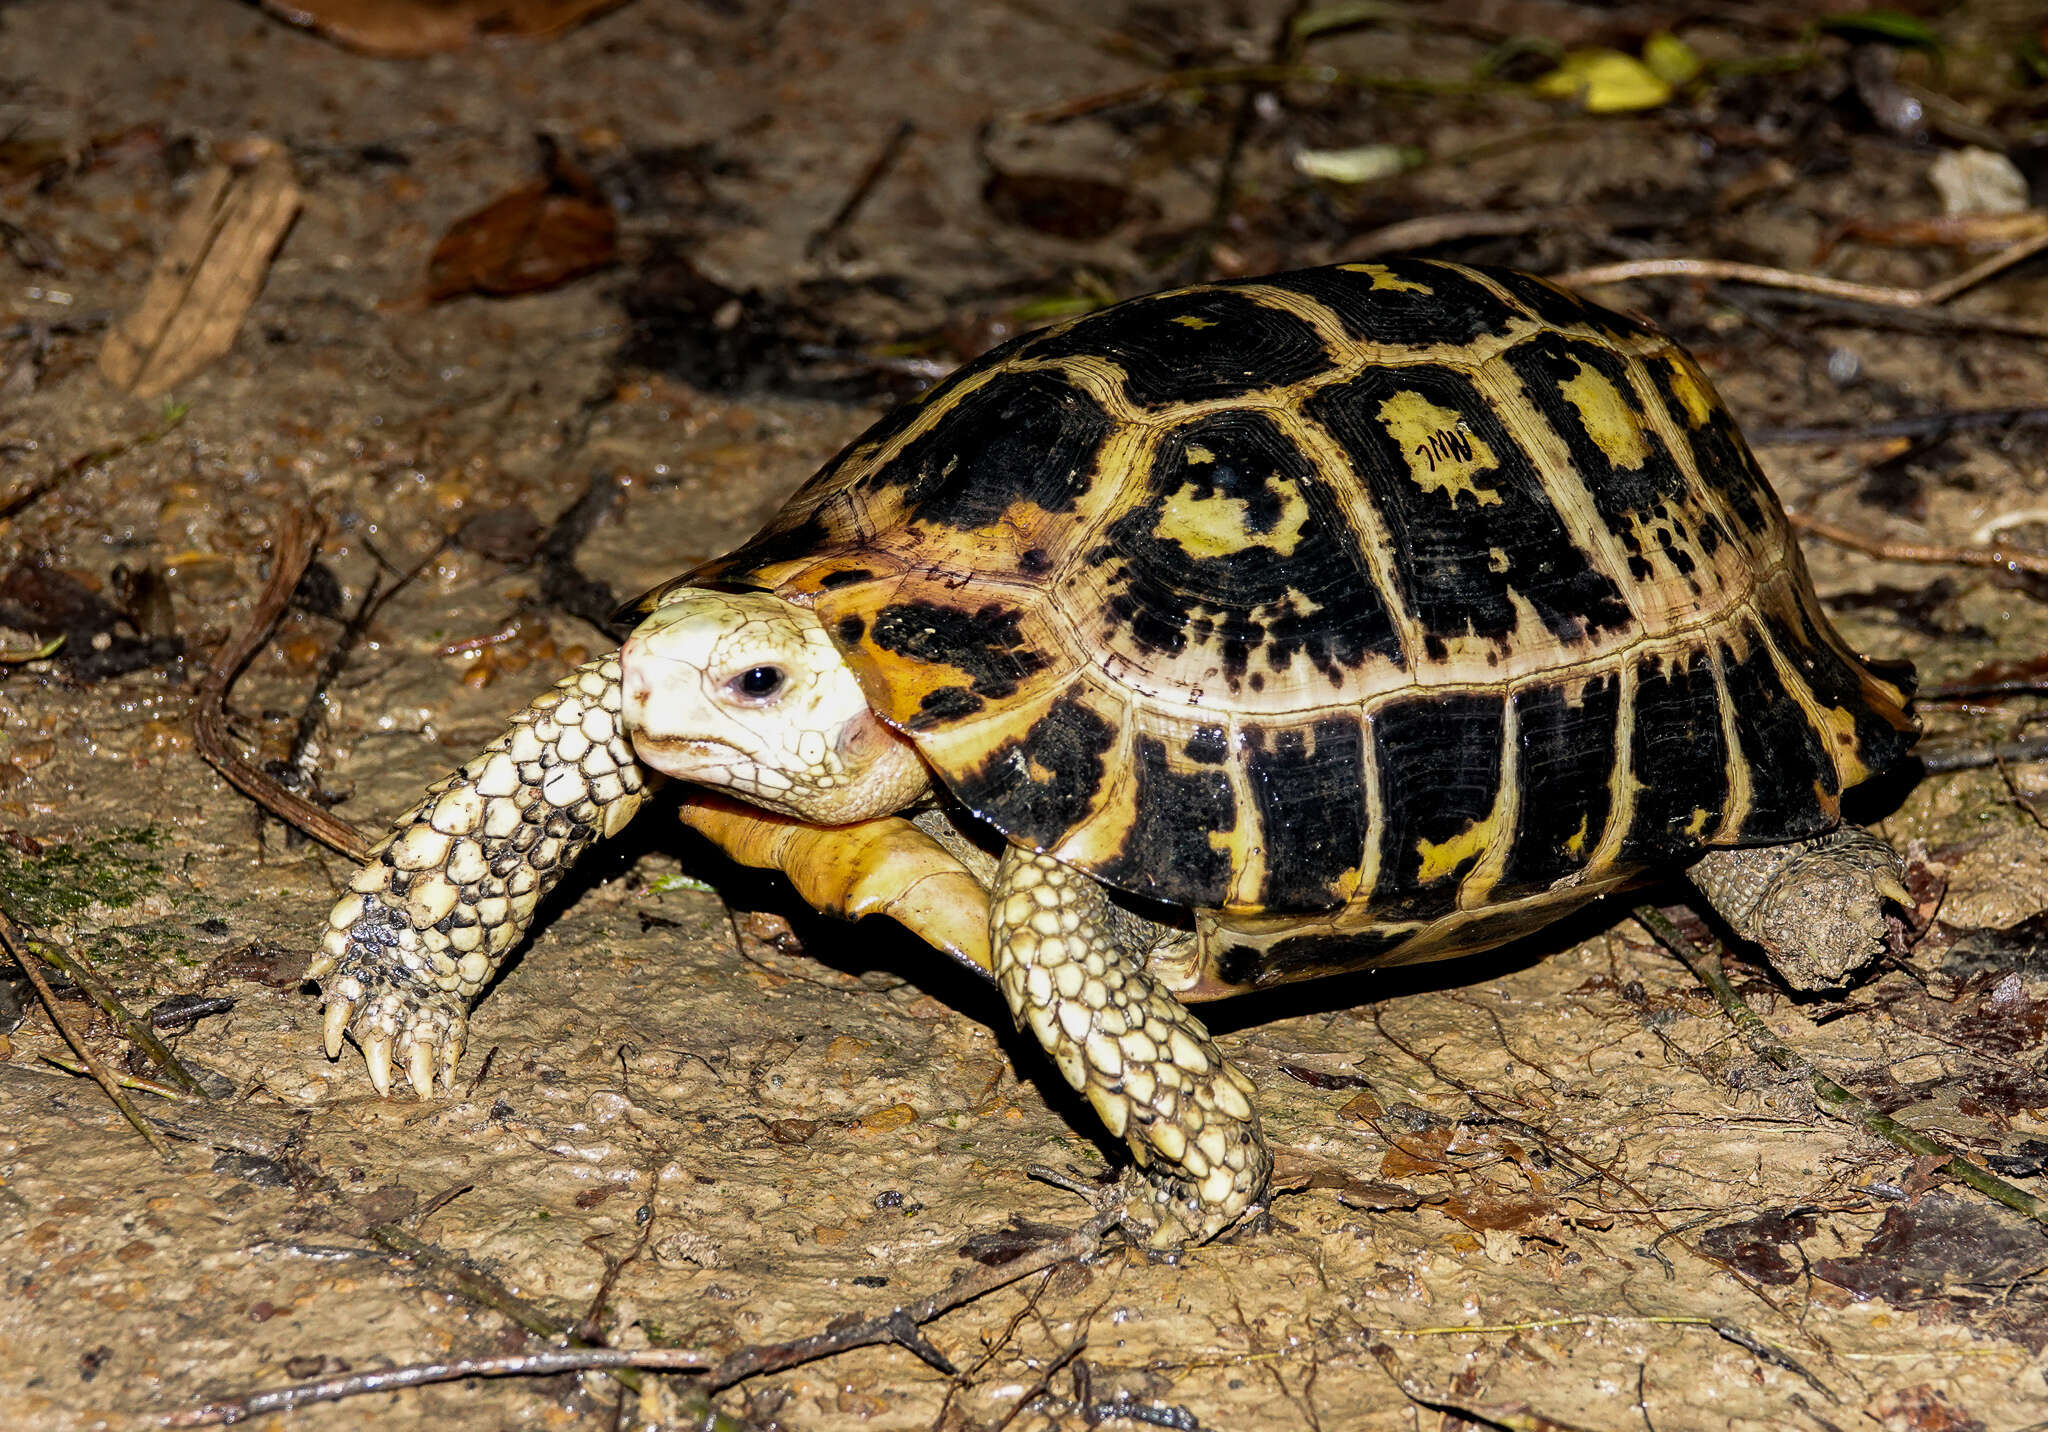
[(745, 693)]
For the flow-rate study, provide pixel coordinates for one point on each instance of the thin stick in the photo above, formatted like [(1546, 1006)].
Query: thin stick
[(1931, 552), (13, 941), (521, 1364), (898, 1326), (488, 1292), (42, 487), (138, 1030), (1943, 756), (1763, 276), (863, 187), (1767, 1046), (1220, 76), (292, 553), (1732, 271)]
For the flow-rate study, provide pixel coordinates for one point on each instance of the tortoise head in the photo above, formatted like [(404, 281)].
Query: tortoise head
[(745, 693)]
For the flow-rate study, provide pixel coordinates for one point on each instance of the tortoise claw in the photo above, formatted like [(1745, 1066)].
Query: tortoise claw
[(338, 1011), (377, 1054), (1894, 890), (419, 1069)]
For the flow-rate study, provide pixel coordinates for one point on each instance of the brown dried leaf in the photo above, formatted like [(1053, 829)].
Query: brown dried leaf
[(1926, 1249), (1752, 1245), (1067, 206), (407, 29), (1420, 1153), (1296, 1172), (1484, 1209), (1922, 1409), (533, 238), (205, 280)]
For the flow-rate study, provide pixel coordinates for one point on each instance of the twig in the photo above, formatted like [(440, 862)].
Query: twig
[(1509, 1416), (1929, 425), (898, 1326), (562, 583), (1429, 230), (1932, 296), (15, 943), (34, 653), (863, 187), (481, 1289), (215, 1124), (1928, 552), (292, 553), (15, 501), (137, 1030), (1767, 1046), (374, 599), (1220, 76), (1037, 1389), (126, 1081), (1944, 756), (522, 1364)]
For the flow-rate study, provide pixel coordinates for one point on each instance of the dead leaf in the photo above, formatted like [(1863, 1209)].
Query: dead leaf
[(1067, 206), (1932, 1248), (407, 29), (1753, 1245), (1421, 1153), (211, 269), (1485, 1211), (533, 238), (1922, 1409)]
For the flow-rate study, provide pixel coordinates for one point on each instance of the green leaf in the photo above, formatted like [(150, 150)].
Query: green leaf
[(1671, 59), (1886, 27), (1345, 15)]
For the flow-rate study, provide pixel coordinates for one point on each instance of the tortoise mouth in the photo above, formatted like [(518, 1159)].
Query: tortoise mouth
[(695, 758)]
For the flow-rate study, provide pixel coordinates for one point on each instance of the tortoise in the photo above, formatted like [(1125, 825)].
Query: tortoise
[(1223, 637)]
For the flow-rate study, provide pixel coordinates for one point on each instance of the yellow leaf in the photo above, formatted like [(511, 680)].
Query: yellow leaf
[(1604, 82)]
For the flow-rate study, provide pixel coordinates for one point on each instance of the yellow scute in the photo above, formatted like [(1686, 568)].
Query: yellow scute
[(1691, 391), (1443, 456), (1383, 279), (1215, 526), (1608, 418)]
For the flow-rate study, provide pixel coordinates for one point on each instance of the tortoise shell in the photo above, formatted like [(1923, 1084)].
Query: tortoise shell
[(1372, 612)]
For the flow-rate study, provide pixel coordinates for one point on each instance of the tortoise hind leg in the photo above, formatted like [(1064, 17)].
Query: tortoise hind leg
[(1816, 907), (1145, 1063)]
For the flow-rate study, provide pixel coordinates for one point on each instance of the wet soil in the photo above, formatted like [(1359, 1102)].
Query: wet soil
[(703, 1119)]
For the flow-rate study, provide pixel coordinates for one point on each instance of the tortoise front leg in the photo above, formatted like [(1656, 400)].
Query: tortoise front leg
[(885, 866), (447, 894), (1145, 1063)]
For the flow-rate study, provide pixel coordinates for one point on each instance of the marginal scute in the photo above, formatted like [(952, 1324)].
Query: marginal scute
[(1566, 735), (1439, 764), (1678, 759), (1309, 785)]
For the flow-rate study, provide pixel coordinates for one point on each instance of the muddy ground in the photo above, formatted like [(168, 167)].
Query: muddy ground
[(1549, 1183)]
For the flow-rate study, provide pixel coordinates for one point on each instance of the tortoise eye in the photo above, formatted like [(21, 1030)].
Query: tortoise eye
[(758, 683)]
